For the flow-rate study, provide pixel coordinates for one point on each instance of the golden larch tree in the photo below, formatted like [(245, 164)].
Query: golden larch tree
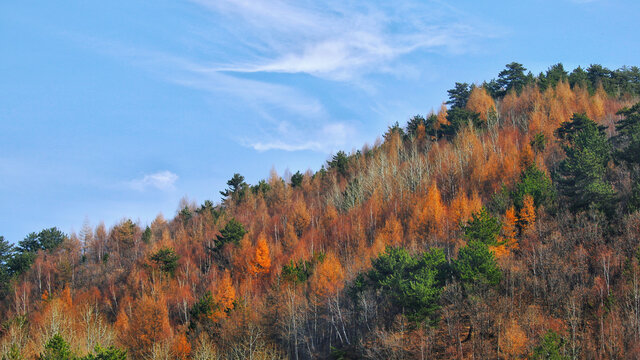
[(527, 214), (480, 102), (328, 277), (224, 297), (261, 262), (509, 228)]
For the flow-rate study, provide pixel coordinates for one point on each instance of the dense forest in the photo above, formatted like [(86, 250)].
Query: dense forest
[(505, 224)]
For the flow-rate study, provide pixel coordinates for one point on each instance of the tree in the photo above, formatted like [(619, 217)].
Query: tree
[(56, 349), (551, 347), (458, 118), (232, 233), (628, 138), (412, 284), (536, 183), (459, 95), (476, 265), (554, 75), (261, 262), (236, 188), (328, 277), (110, 353), (6, 253), (509, 227), (581, 176), (481, 102), (224, 298), (339, 162), (483, 228), (296, 179), (166, 259), (511, 78), (527, 213), (149, 325)]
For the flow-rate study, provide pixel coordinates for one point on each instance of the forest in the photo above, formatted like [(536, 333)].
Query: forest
[(505, 224)]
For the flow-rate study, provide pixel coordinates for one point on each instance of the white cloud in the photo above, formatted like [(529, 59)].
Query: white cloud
[(339, 41), (327, 138), (163, 180)]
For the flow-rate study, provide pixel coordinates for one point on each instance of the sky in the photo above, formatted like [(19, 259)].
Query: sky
[(120, 109)]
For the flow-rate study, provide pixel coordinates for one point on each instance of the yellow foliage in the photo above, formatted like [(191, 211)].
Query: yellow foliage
[(261, 262), (527, 213)]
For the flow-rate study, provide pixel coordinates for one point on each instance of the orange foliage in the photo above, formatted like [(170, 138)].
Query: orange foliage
[(391, 234), (509, 228), (328, 277), (224, 297), (149, 325), (527, 213), (481, 102), (181, 348), (515, 341), (261, 262), (301, 218)]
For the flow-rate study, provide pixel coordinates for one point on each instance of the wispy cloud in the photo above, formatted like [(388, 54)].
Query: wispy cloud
[(327, 138), (339, 41), (163, 180), (245, 46)]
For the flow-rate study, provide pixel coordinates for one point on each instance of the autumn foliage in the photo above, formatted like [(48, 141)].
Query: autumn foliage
[(465, 235)]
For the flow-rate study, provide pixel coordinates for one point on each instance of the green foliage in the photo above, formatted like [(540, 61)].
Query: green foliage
[(237, 188), (581, 177), (202, 307), (167, 260), (298, 272), (146, 235), (459, 118), (296, 179), (476, 265), (634, 199), (459, 95), (185, 215), (578, 77), (56, 349), (412, 284), (13, 353), (208, 208), (232, 232), (47, 239), (110, 353), (6, 254), (20, 262), (511, 78), (261, 188), (414, 123), (628, 138), (539, 142), (339, 162), (554, 75), (536, 183), (551, 347), (483, 228), (500, 201)]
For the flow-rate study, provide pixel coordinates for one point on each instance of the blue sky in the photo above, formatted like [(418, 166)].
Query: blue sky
[(121, 108)]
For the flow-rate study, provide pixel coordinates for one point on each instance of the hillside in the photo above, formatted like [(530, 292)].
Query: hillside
[(504, 225)]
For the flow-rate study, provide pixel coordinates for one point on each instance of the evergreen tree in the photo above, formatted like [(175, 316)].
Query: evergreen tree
[(476, 265), (232, 232), (581, 176), (483, 228), (296, 179), (459, 95), (56, 349)]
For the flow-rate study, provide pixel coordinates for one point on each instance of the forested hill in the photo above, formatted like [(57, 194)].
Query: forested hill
[(504, 225)]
